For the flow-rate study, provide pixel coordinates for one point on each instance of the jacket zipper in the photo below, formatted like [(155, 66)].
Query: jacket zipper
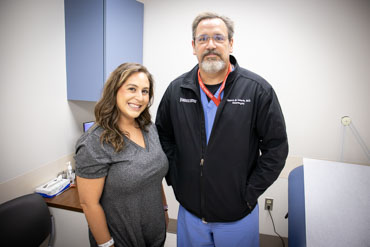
[(201, 167), (202, 190), (203, 151), (203, 147)]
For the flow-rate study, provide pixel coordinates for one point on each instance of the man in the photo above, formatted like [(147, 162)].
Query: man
[(223, 132)]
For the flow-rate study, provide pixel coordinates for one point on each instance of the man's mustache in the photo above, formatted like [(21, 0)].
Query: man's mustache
[(210, 52)]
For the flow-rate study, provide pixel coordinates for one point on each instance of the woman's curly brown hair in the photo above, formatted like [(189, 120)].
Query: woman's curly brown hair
[(107, 112)]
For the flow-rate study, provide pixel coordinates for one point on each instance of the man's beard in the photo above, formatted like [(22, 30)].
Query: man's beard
[(212, 66)]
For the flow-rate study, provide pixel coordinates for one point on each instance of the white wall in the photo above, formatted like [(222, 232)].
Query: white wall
[(38, 124), (316, 55), (71, 228)]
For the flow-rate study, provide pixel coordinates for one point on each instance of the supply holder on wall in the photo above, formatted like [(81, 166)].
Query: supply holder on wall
[(347, 122)]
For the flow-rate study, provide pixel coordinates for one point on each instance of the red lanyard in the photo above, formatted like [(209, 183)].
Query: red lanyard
[(209, 94)]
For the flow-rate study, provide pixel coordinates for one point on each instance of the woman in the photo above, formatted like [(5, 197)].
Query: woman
[(120, 165)]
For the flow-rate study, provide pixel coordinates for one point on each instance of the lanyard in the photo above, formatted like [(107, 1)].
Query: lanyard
[(208, 93)]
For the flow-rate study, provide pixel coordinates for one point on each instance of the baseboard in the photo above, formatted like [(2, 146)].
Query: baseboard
[(272, 241), (172, 226)]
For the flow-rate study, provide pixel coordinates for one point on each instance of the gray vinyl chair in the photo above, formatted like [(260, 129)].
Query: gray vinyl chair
[(26, 221)]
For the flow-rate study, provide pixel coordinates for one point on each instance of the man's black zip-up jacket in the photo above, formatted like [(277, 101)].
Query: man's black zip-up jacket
[(247, 148)]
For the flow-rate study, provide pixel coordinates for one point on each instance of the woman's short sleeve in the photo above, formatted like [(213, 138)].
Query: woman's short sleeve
[(91, 158)]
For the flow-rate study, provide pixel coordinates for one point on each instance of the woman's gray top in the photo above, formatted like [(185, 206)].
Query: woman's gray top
[(132, 194)]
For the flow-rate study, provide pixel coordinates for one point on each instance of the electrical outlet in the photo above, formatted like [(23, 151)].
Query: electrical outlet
[(269, 202)]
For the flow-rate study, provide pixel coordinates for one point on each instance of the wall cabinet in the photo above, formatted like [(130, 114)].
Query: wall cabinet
[(100, 35)]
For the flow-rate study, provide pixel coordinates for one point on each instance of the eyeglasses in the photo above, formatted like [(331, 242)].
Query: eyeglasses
[(204, 38)]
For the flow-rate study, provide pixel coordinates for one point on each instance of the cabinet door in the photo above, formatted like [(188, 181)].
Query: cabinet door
[(100, 35), (123, 33), (84, 32)]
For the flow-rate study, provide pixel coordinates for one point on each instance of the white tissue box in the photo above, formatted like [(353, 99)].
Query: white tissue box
[(53, 187)]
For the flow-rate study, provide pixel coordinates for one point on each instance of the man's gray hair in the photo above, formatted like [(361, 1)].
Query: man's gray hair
[(209, 15)]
